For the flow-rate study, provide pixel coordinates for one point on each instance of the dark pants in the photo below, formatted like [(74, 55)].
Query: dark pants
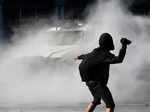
[(59, 11), (99, 92)]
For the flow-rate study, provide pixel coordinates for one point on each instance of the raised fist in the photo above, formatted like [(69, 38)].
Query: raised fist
[(125, 41)]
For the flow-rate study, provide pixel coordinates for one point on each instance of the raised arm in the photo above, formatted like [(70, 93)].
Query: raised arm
[(116, 59), (119, 59)]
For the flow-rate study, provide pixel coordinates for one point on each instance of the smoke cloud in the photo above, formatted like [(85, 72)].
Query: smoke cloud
[(35, 69), (128, 80)]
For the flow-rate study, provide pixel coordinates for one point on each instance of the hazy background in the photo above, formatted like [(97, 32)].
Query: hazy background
[(42, 80)]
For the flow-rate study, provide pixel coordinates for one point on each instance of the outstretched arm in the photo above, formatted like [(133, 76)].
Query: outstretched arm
[(83, 56)]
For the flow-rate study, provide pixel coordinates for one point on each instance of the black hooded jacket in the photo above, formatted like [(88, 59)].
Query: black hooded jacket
[(95, 65)]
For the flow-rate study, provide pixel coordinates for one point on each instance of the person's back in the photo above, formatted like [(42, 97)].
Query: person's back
[(93, 66)]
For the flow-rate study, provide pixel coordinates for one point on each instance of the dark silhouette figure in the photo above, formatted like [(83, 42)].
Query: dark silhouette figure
[(59, 8), (94, 70)]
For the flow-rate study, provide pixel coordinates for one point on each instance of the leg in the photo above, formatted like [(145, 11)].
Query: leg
[(62, 13), (109, 110), (108, 99), (96, 99), (101, 91), (91, 107)]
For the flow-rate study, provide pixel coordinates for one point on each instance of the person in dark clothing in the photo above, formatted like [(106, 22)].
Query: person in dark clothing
[(59, 8), (94, 70)]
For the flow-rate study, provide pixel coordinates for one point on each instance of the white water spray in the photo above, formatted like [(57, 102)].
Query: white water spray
[(49, 81)]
